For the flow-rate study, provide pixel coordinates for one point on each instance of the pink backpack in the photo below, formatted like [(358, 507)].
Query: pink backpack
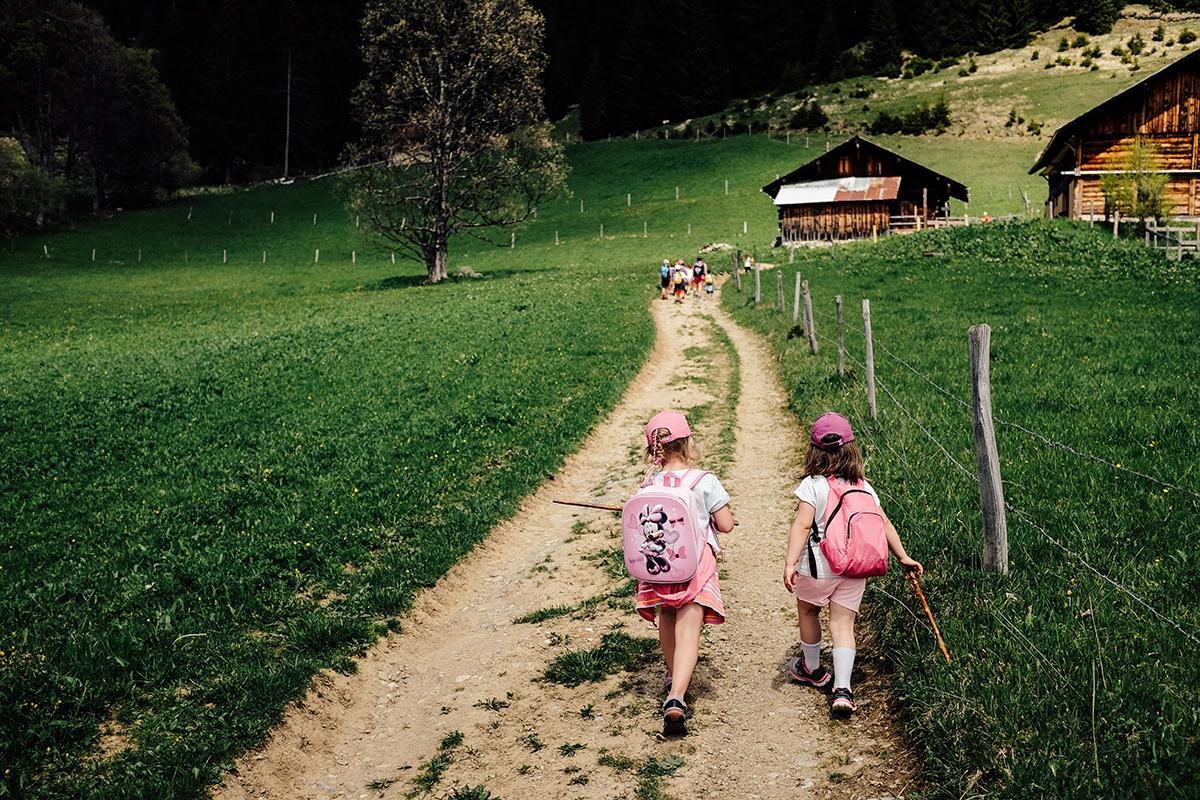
[(855, 540), (660, 526)]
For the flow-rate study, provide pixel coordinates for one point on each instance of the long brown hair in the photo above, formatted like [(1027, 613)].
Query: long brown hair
[(846, 462)]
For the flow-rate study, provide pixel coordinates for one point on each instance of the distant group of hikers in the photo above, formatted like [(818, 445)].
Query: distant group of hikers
[(678, 277)]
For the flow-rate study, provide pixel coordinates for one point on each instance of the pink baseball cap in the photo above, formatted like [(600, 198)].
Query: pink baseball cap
[(831, 430), (675, 423)]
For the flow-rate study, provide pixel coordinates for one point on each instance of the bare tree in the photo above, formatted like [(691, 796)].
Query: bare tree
[(454, 134)]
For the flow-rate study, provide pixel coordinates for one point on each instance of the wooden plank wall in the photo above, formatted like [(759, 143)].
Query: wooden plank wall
[(832, 221), (1168, 105), (1111, 152), (862, 164), (1179, 197)]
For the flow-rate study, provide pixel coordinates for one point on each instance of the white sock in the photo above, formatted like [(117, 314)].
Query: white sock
[(812, 655), (843, 665)]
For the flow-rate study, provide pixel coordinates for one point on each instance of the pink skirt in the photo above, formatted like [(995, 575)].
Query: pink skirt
[(703, 589)]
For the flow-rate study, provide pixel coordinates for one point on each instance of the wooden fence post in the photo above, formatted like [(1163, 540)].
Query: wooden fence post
[(870, 359), (737, 273), (810, 325), (1147, 236), (991, 490), (796, 301), (1116, 222), (841, 337), (779, 288), (757, 285)]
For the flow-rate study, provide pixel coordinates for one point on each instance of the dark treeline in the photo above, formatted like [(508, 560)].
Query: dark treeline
[(226, 63), (220, 68), (631, 64)]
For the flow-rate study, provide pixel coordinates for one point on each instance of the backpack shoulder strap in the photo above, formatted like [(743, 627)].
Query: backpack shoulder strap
[(699, 477)]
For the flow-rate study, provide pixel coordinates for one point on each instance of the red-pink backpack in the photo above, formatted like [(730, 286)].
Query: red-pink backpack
[(661, 531), (855, 538)]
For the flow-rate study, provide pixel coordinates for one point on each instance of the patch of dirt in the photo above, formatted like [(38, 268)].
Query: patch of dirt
[(114, 740), (460, 663)]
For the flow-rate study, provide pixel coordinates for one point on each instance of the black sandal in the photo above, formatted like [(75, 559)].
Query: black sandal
[(674, 718)]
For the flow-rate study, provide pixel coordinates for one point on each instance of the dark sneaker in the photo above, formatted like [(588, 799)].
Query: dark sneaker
[(674, 718), (842, 704), (798, 672)]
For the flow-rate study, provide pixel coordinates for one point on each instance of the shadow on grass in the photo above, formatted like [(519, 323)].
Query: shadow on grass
[(412, 281)]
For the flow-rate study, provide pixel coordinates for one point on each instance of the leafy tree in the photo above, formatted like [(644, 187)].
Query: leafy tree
[(1139, 188), (885, 34), (1097, 16), (87, 112), (28, 197), (454, 136)]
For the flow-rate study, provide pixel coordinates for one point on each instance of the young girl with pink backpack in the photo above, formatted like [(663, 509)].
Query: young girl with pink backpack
[(670, 540), (839, 538)]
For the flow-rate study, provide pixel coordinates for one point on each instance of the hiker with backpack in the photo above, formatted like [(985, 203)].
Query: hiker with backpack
[(679, 281), (665, 276), (669, 532), (839, 538)]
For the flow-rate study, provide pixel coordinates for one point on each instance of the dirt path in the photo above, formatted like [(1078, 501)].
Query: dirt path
[(461, 663)]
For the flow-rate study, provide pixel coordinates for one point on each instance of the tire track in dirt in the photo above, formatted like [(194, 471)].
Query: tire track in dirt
[(460, 663)]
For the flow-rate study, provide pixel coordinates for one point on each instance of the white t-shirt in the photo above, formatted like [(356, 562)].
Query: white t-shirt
[(814, 490), (712, 496)]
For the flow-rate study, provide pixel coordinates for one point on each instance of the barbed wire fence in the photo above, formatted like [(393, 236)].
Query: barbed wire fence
[(1031, 521)]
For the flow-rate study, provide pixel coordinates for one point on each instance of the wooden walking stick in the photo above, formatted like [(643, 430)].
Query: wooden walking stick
[(587, 505), (597, 505), (912, 578)]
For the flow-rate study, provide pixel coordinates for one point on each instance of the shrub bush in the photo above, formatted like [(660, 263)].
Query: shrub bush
[(809, 116), (924, 118)]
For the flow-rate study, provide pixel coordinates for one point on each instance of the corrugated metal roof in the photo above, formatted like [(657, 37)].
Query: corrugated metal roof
[(839, 190)]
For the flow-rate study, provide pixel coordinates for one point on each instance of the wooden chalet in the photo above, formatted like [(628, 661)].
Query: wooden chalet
[(858, 189), (1164, 109)]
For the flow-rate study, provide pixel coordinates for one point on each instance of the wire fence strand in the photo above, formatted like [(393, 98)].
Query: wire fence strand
[(1043, 438)]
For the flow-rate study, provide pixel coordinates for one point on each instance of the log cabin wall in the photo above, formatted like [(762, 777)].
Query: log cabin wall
[(824, 221), (1164, 110)]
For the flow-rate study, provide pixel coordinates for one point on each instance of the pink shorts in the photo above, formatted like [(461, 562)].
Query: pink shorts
[(846, 592)]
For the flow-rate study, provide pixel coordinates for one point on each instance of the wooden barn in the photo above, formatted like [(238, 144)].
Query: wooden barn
[(1163, 109), (856, 189)]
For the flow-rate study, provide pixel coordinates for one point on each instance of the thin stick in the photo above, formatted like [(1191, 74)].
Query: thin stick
[(587, 505), (912, 578), (601, 507)]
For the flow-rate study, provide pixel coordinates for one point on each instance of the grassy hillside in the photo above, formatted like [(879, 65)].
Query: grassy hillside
[(221, 475), (1062, 684), (220, 478)]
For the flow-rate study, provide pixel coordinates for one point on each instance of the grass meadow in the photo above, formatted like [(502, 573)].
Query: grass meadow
[(1062, 685), (222, 475)]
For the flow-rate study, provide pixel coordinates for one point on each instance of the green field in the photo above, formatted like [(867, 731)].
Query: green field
[(221, 477), (1062, 685)]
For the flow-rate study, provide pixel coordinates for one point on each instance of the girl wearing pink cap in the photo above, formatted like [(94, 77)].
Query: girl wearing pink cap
[(683, 608), (832, 456)]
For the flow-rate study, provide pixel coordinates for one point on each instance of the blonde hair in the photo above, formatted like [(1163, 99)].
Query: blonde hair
[(659, 453), (846, 462)]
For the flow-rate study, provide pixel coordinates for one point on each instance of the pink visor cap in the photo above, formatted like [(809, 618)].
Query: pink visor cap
[(675, 423), (831, 430)]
